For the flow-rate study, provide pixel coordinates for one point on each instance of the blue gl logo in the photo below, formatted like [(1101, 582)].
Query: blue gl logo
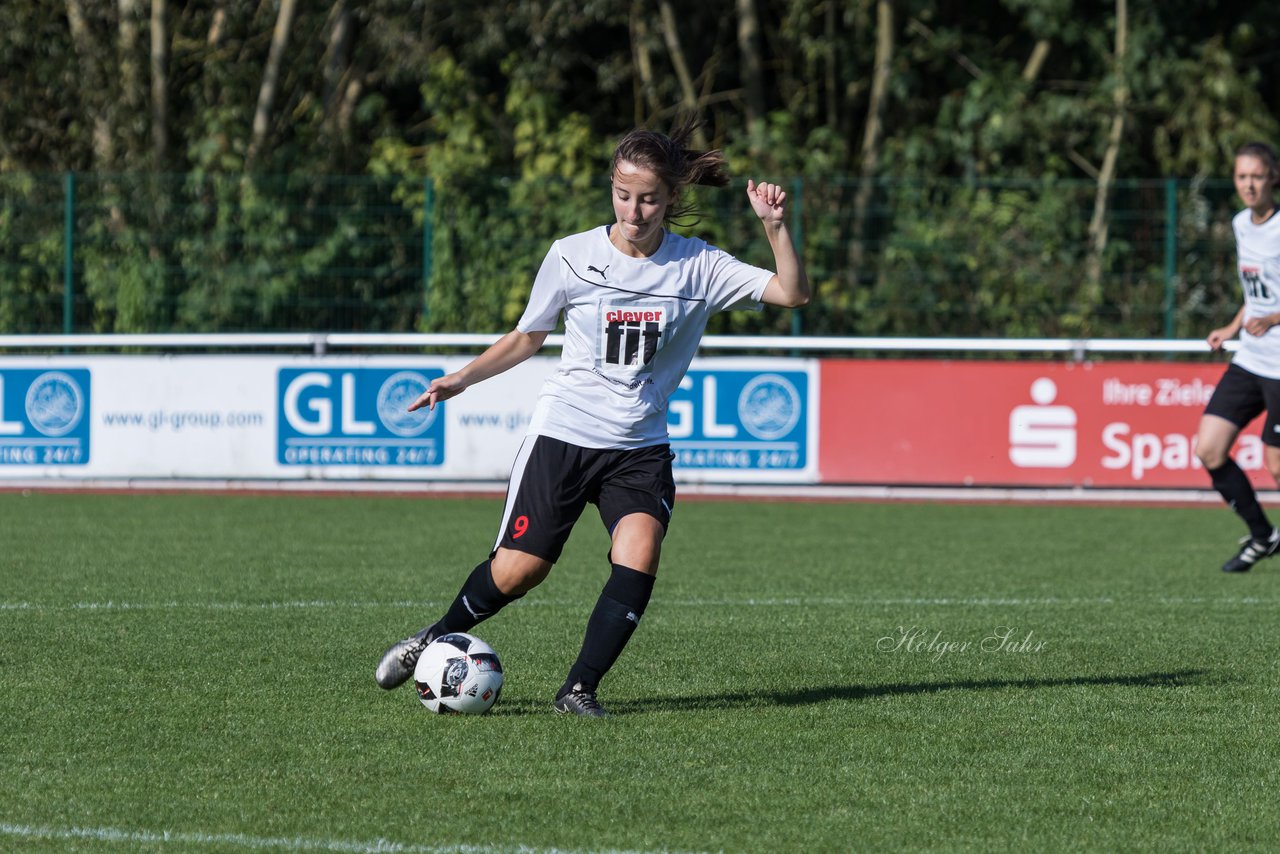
[(357, 416), (741, 419), (44, 417)]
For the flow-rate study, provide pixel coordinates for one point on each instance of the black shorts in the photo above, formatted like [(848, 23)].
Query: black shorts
[(552, 481), (1242, 396)]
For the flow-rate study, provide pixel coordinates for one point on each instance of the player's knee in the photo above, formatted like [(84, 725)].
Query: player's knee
[(516, 573), (1211, 456), (637, 542)]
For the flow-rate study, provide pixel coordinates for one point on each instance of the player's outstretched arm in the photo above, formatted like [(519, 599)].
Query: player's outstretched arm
[(505, 353), (789, 287)]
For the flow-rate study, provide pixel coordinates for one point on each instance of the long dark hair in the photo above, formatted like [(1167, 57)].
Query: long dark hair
[(1266, 154), (668, 157)]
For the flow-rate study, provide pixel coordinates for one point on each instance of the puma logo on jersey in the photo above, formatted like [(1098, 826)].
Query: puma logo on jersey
[(598, 270), (631, 335)]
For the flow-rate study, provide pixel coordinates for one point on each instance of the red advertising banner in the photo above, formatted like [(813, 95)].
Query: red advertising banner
[(1117, 424)]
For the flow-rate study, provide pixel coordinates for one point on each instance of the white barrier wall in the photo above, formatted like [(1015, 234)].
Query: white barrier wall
[(281, 417)]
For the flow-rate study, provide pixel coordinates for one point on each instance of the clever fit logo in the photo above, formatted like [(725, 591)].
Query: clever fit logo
[(1255, 286), (631, 335)]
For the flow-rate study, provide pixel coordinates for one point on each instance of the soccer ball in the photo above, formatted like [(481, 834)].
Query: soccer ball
[(458, 673)]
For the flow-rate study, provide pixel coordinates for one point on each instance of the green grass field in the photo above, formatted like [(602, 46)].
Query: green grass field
[(194, 673)]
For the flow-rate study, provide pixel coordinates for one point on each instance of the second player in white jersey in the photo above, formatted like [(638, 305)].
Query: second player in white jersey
[(1258, 263), (1251, 383)]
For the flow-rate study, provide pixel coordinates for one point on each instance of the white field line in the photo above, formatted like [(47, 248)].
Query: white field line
[(766, 602), (187, 839)]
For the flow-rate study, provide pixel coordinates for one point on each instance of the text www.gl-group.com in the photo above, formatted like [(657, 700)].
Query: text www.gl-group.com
[(177, 421), (509, 421)]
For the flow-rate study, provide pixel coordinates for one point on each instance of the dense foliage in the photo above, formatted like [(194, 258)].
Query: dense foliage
[(997, 167)]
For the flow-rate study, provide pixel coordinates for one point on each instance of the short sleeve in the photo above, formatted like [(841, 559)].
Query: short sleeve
[(547, 298), (733, 284)]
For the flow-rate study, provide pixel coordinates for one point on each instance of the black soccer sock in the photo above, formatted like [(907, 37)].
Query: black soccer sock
[(478, 600), (1234, 487), (614, 620)]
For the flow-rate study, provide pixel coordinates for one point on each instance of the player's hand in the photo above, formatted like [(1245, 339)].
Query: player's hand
[(441, 388), (767, 200), (1260, 325), (1217, 338)]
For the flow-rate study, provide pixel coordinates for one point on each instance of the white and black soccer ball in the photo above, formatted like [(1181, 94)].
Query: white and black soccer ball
[(458, 673)]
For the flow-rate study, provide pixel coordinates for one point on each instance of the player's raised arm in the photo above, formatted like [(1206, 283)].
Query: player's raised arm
[(789, 286)]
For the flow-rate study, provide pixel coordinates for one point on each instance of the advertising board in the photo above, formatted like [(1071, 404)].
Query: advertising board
[(336, 418), (1124, 424)]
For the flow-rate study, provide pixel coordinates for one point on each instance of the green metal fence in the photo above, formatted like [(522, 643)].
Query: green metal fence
[(116, 253), (205, 253)]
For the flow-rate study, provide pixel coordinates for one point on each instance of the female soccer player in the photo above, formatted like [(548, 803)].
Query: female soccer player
[(636, 299), (1251, 383)]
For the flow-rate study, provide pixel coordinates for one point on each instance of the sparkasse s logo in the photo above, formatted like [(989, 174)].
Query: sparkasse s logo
[(1042, 435)]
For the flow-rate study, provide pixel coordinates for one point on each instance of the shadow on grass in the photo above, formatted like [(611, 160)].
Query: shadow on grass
[(829, 693)]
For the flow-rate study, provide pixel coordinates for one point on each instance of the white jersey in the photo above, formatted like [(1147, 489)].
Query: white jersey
[(631, 328), (1258, 262)]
